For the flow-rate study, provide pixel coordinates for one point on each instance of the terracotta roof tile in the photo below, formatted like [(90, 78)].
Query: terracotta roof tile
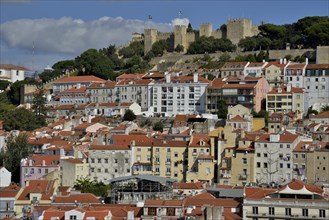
[(75, 90), (45, 187), (12, 67), (77, 79), (77, 198)]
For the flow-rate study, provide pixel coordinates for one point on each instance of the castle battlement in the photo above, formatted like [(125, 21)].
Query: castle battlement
[(237, 29)]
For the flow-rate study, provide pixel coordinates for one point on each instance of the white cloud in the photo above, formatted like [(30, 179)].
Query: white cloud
[(73, 36), (180, 21), (66, 37)]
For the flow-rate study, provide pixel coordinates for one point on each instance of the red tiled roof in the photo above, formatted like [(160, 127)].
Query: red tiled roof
[(12, 67), (9, 191), (99, 85), (49, 160), (197, 138), (285, 137), (296, 66), (239, 86), (256, 64), (75, 90), (321, 115), (281, 66), (153, 76), (45, 187), (77, 198), (183, 79), (234, 65), (257, 193), (216, 83), (73, 160), (237, 118), (284, 90), (317, 66), (77, 79), (297, 185), (197, 185), (163, 203), (131, 76)]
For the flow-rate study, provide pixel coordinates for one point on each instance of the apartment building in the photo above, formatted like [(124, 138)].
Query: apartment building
[(179, 95), (74, 95), (311, 163), (316, 84), (37, 166), (73, 169), (277, 121), (73, 81), (249, 92), (239, 117), (296, 200), (138, 91), (256, 69), (101, 92), (234, 69), (286, 99), (274, 157), (274, 73), (294, 74), (109, 161)]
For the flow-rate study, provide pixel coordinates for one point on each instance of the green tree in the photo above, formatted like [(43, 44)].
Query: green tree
[(179, 48), (129, 115), (133, 49), (17, 148), (14, 94), (85, 185), (222, 109), (248, 43), (39, 105), (92, 62), (4, 84), (159, 47), (325, 108), (28, 121), (189, 28), (318, 34), (158, 126)]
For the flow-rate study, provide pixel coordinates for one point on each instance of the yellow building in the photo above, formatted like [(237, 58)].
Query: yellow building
[(274, 73), (72, 170), (285, 99), (36, 192), (200, 167)]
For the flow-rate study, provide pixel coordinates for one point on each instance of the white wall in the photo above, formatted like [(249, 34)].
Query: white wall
[(5, 177)]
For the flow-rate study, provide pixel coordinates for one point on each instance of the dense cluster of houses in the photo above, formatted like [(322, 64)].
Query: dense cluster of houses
[(198, 167)]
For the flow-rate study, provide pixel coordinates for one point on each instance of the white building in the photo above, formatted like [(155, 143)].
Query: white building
[(179, 95), (316, 84), (12, 73), (273, 162), (256, 69), (5, 177)]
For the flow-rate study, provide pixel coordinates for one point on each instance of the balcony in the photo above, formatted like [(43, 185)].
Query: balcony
[(225, 176), (283, 216), (243, 177)]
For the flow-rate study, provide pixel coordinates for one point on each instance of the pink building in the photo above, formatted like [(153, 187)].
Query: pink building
[(37, 166), (248, 91)]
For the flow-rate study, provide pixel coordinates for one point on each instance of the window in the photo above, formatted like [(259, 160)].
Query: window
[(271, 211), (288, 211), (115, 160), (296, 156), (265, 165), (106, 160), (39, 170), (99, 160), (265, 145), (99, 170), (281, 145), (265, 154), (92, 170), (258, 154), (322, 213), (176, 154), (288, 145), (303, 156), (258, 164), (46, 170), (73, 217), (244, 160), (254, 210), (305, 212), (115, 170), (281, 165), (288, 165), (152, 211), (170, 211), (106, 170)]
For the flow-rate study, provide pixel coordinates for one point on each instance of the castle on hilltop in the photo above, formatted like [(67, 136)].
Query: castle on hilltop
[(236, 30)]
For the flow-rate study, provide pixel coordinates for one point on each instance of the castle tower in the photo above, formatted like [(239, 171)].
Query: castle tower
[(238, 29), (205, 29), (150, 37), (180, 36)]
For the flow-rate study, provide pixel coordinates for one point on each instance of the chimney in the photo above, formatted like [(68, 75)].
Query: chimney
[(284, 61), (168, 78), (43, 163), (289, 88), (195, 77), (78, 86), (61, 153), (280, 61), (30, 162), (306, 61)]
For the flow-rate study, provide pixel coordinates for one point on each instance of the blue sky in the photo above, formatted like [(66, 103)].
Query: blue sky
[(63, 29)]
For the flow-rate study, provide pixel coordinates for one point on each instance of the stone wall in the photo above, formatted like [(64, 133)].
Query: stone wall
[(322, 55)]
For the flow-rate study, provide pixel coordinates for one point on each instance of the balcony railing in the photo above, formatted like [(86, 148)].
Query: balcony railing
[(243, 177)]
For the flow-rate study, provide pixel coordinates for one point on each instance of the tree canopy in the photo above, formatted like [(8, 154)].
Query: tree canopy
[(210, 45), (17, 148), (94, 187), (129, 115), (134, 48)]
